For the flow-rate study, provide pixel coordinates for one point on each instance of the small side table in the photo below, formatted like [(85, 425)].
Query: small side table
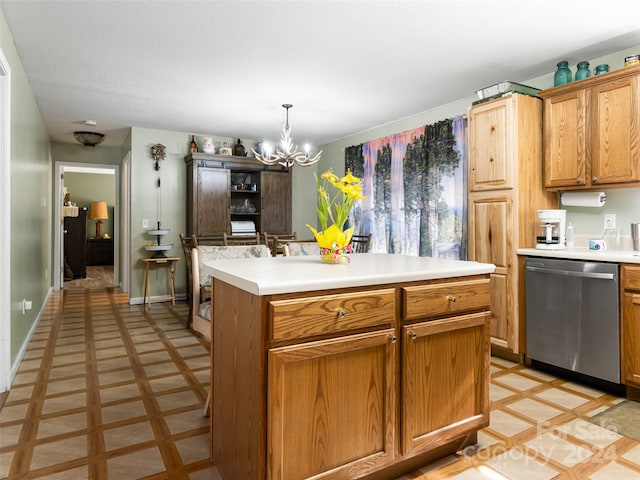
[(160, 262)]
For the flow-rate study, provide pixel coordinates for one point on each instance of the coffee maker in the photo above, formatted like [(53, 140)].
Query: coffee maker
[(551, 229)]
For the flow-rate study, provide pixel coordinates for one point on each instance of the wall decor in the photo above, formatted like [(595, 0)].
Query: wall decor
[(415, 190)]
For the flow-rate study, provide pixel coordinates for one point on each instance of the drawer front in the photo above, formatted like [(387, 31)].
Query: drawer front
[(631, 276), (444, 299), (322, 315)]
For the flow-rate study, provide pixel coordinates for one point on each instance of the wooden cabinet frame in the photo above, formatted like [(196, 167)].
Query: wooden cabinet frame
[(591, 134), (503, 206), (210, 195), (331, 401)]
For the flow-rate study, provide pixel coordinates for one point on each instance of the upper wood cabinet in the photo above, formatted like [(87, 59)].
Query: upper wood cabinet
[(212, 202), (491, 133), (591, 132)]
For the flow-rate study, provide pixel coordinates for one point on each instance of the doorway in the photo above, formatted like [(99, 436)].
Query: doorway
[(90, 182)]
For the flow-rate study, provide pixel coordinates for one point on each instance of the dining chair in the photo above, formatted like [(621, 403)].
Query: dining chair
[(209, 239), (361, 243), (303, 247), (202, 310), (253, 239), (188, 242), (276, 242)]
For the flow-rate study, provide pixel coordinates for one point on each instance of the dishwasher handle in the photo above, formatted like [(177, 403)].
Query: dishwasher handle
[(568, 273)]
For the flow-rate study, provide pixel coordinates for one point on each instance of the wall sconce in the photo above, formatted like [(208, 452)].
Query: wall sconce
[(98, 213)]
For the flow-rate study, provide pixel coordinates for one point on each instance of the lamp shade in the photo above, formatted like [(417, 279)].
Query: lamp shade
[(98, 211)]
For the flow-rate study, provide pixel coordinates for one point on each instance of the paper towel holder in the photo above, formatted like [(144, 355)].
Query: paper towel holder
[(583, 199)]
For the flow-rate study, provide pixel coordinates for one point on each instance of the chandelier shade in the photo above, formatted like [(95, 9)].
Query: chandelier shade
[(89, 139), (288, 155)]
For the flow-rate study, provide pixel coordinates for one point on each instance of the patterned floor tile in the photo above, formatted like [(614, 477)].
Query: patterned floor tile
[(559, 449), (125, 388), (53, 453), (127, 435), (138, 464), (615, 470), (123, 411), (562, 398), (518, 382), (536, 411), (59, 425), (507, 424)]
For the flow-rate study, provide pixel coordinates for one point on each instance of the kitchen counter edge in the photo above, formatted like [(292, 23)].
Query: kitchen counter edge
[(583, 253), (277, 275)]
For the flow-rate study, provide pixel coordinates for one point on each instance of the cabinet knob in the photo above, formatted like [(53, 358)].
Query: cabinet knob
[(413, 335), (341, 313), (578, 180), (451, 298), (393, 338), (594, 179)]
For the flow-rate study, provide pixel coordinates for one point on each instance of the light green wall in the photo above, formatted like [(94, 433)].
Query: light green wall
[(31, 185), (170, 200), (85, 188), (625, 203)]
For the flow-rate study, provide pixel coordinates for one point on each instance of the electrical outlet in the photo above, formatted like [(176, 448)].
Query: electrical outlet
[(609, 220), (145, 223)]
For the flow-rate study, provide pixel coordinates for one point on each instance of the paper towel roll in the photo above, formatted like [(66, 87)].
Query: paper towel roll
[(583, 199)]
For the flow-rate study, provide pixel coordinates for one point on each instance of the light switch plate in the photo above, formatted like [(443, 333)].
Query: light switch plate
[(145, 223)]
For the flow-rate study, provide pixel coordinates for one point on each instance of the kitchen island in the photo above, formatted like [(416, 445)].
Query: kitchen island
[(366, 370)]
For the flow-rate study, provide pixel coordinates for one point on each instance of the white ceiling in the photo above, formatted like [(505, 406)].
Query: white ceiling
[(226, 67)]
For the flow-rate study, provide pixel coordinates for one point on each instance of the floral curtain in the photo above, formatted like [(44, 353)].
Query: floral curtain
[(415, 186)]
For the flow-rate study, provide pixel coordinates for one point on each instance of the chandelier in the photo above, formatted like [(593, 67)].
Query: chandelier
[(289, 155)]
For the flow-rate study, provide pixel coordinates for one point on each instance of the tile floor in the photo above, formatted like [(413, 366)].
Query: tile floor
[(111, 391)]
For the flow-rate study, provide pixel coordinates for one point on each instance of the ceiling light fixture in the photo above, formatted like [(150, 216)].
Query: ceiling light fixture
[(289, 155), (88, 139)]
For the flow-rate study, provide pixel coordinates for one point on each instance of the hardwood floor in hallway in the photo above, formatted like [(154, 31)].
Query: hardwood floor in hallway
[(108, 390)]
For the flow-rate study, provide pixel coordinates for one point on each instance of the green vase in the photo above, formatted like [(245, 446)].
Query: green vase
[(563, 74), (583, 71)]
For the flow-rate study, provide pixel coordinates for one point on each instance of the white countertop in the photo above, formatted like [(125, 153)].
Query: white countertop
[(273, 275), (583, 253)]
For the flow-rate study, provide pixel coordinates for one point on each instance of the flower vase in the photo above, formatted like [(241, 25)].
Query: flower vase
[(334, 244), (335, 256)]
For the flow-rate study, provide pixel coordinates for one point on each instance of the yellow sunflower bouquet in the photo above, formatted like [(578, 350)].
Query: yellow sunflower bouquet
[(333, 212)]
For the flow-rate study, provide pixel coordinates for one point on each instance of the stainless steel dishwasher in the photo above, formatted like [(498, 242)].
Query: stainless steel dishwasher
[(573, 316)]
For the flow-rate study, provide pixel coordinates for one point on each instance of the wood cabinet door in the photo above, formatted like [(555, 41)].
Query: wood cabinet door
[(331, 407), (212, 201), (565, 147), (491, 137), (491, 240), (276, 202), (445, 380), (631, 337), (615, 117)]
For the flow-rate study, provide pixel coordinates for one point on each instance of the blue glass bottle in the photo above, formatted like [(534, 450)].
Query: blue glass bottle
[(583, 71), (563, 74), (600, 69)]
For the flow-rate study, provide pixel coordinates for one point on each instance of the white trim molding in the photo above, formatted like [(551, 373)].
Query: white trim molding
[(5, 219)]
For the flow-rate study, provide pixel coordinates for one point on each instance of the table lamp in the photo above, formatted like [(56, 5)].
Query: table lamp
[(98, 213)]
